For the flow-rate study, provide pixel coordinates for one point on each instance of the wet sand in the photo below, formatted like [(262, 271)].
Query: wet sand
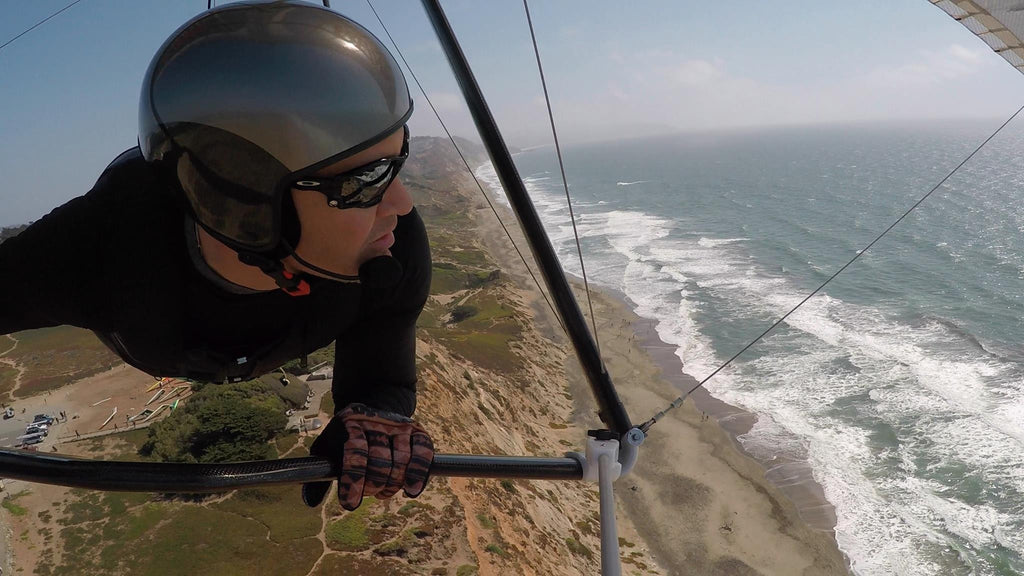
[(700, 503), (793, 477)]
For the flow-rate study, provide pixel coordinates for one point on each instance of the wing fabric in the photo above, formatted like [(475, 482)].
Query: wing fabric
[(1000, 23)]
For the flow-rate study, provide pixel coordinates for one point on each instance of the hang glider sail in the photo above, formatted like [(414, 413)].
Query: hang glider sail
[(1000, 23)]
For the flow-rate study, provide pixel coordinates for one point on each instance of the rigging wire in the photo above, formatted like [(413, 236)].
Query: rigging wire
[(561, 167), (678, 401), (38, 24), (468, 169)]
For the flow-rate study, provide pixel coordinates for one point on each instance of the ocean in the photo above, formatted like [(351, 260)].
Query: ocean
[(902, 383)]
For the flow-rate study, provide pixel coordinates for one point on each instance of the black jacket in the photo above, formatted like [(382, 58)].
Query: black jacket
[(116, 261)]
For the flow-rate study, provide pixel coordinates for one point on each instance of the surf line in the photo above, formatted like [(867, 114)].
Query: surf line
[(678, 401)]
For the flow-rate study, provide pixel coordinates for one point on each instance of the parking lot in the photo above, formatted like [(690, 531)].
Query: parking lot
[(11, 428)]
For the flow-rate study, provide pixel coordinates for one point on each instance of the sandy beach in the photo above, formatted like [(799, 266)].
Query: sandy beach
[(700, 503)]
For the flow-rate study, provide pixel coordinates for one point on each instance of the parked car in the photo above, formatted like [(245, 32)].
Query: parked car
[(30, 439), (42, 418), (32, 429), (9, 413)]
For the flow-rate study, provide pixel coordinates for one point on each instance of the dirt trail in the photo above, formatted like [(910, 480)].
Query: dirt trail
[(9, 395), (11, 349), (322, 537)]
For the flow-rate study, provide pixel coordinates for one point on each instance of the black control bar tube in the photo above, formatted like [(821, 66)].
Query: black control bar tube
[(612, 412), (190, 478)]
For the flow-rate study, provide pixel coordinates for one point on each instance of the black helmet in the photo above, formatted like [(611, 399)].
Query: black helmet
[(247, 98)]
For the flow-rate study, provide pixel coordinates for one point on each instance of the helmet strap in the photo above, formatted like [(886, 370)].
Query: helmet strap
[(332, 275), (290, 283)]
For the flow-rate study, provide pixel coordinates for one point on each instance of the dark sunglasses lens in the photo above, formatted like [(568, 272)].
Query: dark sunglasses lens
[(368, 188)]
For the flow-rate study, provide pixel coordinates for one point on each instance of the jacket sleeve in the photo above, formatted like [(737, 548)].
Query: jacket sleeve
[(49, 273), (375, 359)]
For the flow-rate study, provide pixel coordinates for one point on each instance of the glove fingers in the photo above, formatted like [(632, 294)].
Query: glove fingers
[(378, 466), (313, 493), (401, 453), (419, 464), (353, 468)]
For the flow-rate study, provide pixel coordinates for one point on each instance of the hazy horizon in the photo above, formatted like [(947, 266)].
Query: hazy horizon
[(69, 99)]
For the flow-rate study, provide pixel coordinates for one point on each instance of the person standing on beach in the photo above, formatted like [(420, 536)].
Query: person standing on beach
[(259, 219)]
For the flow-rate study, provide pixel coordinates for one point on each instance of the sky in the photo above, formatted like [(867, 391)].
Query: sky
[(69, 89)]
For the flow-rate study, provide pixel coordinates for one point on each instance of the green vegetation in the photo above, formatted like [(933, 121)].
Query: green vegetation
[(463, 312), (222, 423), (486, 521), (293, 395), (349, 532), (156, 538), (8, 377), (203, 541), (446, 278), (286, 442), (11, 506), (54, 357), (327, 403), (496, 550), (336, 563), (279, 508), (466, 570), (398, 547), (121, 446), (412, 507), (325, 354), (482, 328), (577, 548), (449, 277)]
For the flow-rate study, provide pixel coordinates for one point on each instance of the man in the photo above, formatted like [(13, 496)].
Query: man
[(259, 219)]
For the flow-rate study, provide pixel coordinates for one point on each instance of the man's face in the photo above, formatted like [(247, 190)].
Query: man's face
[(342, 240)]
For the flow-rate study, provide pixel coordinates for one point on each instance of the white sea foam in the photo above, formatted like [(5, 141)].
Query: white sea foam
[(489, 179), (631, 183), (712, 242), (950, 405)]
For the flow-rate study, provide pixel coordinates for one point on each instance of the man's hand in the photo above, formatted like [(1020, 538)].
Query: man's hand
[(380, 452)]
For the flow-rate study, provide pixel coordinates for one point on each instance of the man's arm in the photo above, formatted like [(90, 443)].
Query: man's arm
[(379, 449), (375, 360), (49, 274)]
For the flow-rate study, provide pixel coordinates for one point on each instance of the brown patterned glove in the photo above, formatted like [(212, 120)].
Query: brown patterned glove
[(381, 453)]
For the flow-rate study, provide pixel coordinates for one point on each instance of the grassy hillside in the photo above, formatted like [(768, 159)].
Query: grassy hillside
[(51, 358)]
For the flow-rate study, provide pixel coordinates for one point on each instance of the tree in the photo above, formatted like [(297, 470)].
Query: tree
[(231, 422)]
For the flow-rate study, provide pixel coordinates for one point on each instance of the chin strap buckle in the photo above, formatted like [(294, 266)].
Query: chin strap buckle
[(291, 284)]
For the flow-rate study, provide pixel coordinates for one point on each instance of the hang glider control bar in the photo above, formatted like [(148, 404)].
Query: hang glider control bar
[(187, 478)]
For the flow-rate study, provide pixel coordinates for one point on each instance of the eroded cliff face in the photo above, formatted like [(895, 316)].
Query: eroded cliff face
[(494, 379)]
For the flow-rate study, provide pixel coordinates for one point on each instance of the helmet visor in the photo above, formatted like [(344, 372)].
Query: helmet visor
[(232, 185)]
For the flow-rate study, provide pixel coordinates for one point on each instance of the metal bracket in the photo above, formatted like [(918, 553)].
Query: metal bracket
[(607, 459)]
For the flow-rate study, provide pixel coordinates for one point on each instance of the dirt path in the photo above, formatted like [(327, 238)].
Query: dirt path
[(322, 534), (11, 349), (21, 369), (8, 396)]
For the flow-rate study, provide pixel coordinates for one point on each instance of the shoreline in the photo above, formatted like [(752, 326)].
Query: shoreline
[(699, 502), (793, 477)]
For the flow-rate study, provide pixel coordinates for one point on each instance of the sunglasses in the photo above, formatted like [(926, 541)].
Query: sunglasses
[(360, 187)]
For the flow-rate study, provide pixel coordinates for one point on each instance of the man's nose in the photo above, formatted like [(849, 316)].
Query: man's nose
[(397, 200)]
